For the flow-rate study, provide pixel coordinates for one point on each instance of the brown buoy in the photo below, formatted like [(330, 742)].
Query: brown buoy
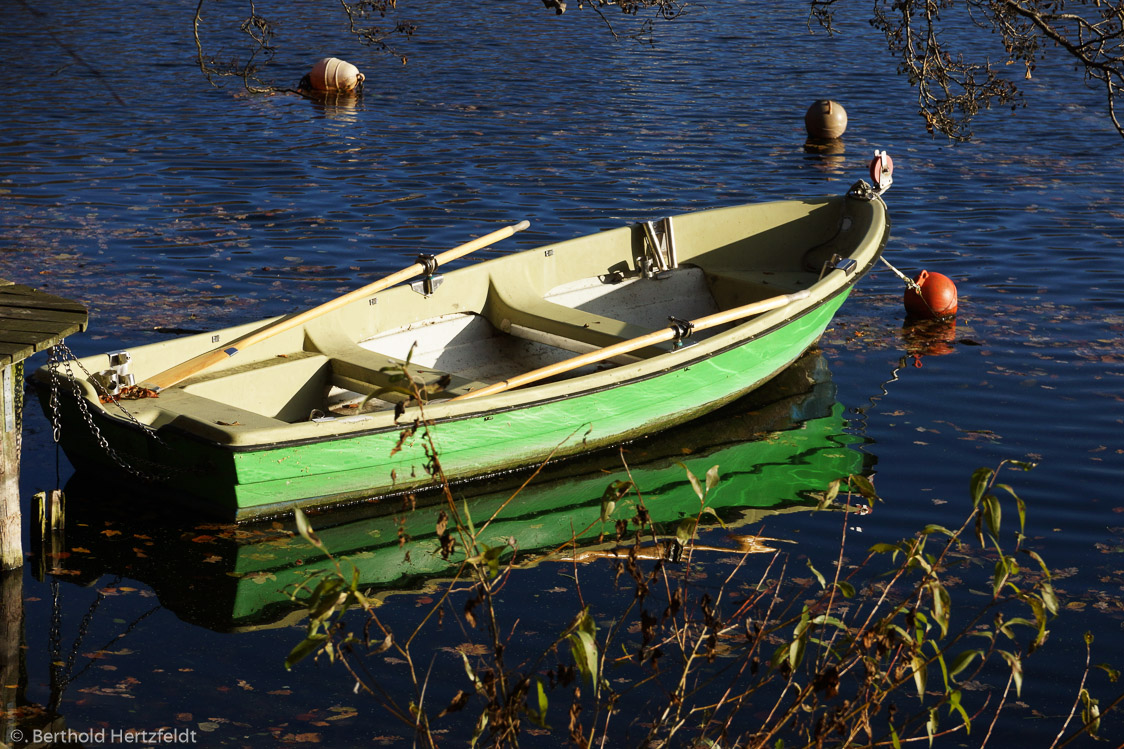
[(825, 119), (936, 298)]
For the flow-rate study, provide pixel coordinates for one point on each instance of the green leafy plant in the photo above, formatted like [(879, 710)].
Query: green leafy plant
[(870, 653)]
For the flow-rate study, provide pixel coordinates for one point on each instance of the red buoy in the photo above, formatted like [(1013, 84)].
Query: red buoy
[(937, 297)]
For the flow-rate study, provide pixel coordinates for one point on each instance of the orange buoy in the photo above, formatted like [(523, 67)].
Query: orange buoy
[(937, 297), (334, 74)]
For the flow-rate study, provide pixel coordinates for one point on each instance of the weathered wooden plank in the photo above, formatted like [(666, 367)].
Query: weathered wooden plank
[(19, 288), (31, 321), (33, 325), (25, 313), (33, 337), (11, 349), (45, 301), (13, 352), (40, 343)]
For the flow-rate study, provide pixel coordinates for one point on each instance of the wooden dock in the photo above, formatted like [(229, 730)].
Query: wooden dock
[(30, 321)]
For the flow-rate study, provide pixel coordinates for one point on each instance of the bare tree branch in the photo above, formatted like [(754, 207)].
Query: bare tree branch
[(260, 32), (376, 35), (952, 88)]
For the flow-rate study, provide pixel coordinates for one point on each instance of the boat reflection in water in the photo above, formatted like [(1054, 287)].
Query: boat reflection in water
[(775, 450)]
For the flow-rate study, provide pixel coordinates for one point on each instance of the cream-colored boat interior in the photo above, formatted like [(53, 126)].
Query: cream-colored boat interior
[(488, 321)]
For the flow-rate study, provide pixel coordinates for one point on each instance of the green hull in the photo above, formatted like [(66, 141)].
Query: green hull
[(520, 437), (239, 443), (773, 455)]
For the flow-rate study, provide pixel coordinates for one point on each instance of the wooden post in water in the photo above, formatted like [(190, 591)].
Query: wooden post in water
[(11, 549), (30, 321), (11, 648)]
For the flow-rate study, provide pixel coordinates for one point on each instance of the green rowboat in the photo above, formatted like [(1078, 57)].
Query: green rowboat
[(630, 331)]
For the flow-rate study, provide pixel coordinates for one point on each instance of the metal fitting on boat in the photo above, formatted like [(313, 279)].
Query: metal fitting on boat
[(681, 328)]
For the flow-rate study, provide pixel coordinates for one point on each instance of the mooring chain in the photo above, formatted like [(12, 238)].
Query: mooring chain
[(54, 639), (62, 672), (61, 357)]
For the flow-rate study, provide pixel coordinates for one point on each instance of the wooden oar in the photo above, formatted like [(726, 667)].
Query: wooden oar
[(624, 347), (197, 364)]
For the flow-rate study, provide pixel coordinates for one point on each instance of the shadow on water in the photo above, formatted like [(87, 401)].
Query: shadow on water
[(775, 449)]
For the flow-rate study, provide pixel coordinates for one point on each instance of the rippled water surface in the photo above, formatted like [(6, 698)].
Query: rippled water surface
[(130, 183)]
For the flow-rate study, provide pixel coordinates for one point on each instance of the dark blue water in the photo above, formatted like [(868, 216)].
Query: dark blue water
[(130, 183)]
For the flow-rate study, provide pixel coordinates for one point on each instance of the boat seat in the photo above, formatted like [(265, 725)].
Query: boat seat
[(520, 312), (284, 388), (370, 372), (213, 418)]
